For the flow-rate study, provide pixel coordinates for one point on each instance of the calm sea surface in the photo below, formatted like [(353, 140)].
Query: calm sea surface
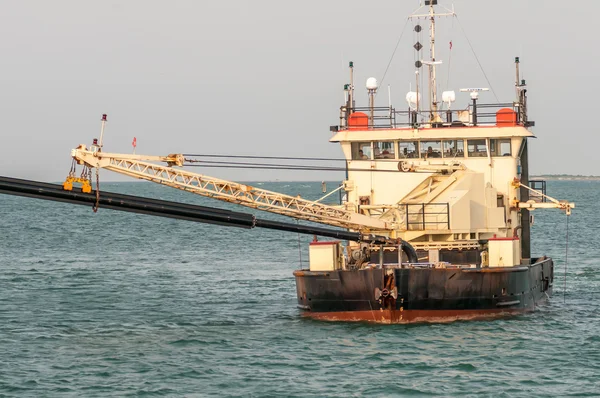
[(118, 304)]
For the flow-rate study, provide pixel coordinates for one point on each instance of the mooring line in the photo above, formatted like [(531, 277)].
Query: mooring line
[(299, 247), (566, 261)]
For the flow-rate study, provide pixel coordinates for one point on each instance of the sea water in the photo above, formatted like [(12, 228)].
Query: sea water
[(120, 304)]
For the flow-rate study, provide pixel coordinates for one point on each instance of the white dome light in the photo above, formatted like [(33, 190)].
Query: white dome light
[(372, 83), (448, 97), (412, 98)]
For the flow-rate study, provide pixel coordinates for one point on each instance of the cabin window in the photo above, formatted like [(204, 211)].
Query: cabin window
[(454, 148), (431, 149), (384, 150), (408, 149), (500, 147), (499, 200), (476, 148), (361, 151)]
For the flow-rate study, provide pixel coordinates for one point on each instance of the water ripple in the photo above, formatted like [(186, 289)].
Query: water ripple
[(152, 307)]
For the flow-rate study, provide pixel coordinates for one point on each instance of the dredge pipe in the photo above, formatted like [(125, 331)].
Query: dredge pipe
[(309, 230), (182, 211), (119, 196), (133, 204), (410, 252)]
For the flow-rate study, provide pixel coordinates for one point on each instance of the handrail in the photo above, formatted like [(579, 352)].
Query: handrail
[(389, 118)]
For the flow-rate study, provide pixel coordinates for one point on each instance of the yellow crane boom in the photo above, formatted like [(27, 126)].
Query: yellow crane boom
[(139, 166)]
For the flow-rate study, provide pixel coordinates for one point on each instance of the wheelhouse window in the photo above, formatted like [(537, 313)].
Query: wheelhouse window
[(500, 147), (476, 148), (408, 149), (361, 151), (384, 150), (431, 149), (453, 148)]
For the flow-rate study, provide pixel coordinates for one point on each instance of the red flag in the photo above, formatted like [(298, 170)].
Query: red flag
[(134, 143), (450, 45)]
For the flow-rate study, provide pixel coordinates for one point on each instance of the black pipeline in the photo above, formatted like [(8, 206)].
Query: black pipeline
[(163, 208)]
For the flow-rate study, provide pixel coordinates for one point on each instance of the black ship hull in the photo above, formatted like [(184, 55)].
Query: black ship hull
[(423, 294)]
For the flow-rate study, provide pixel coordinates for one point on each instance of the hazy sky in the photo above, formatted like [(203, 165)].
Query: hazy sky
[(265, 77)]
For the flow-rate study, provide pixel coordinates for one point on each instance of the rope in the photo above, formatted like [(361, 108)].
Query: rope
[(450, 56), (477, 59), (566, 261), (393, 54)]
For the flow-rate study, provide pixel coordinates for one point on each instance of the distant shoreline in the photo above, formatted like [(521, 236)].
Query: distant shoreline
[(564, 177)]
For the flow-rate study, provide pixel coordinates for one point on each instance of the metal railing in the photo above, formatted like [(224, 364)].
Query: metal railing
[(421, 217), (365, 118), (538, 185)]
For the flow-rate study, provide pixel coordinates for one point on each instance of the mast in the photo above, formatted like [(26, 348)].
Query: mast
[(431, 15), (432, 84), (518, 79), (352, 100)]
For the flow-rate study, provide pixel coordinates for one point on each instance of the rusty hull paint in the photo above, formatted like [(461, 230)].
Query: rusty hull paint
[(412, 316), (423, 294)]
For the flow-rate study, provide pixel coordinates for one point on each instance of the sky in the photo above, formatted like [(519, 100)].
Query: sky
[(265, 77)]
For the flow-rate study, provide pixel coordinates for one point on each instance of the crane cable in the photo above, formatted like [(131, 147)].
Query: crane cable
[(274, 166), (97, 204), (263, 157), (264, 166)]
